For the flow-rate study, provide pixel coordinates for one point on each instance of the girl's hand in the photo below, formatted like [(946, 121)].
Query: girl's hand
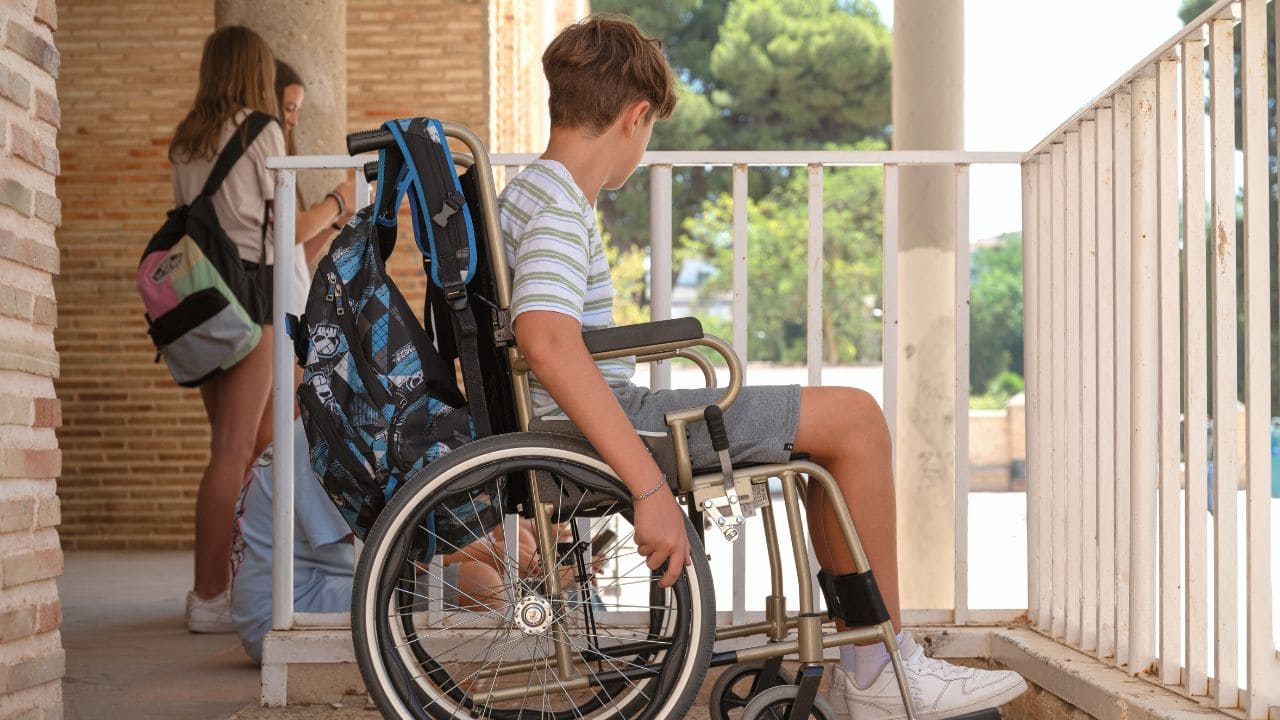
[(347, 190)]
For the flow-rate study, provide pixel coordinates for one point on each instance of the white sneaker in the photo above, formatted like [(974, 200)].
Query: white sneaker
[(938, 689), (210, 616)]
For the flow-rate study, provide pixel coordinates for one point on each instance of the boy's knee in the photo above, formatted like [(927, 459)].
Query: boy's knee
[(857, 405), (864, 416)]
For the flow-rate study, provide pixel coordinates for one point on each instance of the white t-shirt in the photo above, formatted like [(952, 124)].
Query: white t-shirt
[(241, 201)]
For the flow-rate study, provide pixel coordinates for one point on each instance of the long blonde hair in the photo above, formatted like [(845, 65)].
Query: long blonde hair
[(237, 71)]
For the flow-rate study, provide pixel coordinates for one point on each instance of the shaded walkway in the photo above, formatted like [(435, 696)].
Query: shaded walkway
[(128, 652)]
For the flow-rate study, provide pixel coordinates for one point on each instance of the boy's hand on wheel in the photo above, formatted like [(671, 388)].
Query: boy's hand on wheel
[(661, 535)]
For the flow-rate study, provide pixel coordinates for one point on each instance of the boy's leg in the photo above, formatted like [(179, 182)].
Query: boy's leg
[(843, 430)]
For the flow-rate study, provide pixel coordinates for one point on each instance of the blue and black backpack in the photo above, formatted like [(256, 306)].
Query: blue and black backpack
[(379, 398)]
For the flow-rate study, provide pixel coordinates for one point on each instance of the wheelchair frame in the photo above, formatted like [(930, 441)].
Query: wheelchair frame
[(718, 493)]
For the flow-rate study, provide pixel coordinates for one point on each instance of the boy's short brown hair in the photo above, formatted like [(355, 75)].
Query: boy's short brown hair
[(598, 66)]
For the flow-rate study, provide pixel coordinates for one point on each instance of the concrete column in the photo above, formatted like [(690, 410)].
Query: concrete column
[(310, 35), (928, 114)]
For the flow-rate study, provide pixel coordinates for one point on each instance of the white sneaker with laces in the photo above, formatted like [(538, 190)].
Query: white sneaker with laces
[(210, 616), (938, 689)]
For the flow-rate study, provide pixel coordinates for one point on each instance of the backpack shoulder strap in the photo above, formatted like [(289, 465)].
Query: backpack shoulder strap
[(231, 152)]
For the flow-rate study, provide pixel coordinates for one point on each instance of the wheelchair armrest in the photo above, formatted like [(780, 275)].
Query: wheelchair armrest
[(642, 335)]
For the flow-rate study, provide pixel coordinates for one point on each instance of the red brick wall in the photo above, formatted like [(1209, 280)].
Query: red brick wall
[(395, 69), (32, 661), (134, 443)]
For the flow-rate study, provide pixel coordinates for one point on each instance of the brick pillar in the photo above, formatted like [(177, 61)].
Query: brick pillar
[(32, 661), (312, 37)]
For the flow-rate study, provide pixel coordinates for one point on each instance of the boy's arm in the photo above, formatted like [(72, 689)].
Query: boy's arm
[(552, 342)]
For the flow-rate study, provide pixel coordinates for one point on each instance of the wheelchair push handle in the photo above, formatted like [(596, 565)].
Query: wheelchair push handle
[(715, 425), (370, 171), (369, 140)]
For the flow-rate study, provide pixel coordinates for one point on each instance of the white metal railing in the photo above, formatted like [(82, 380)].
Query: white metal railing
[(1116, 255), (661, 165), (278, 651)]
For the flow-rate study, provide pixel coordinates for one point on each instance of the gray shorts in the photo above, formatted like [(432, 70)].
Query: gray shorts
[(761, 422)]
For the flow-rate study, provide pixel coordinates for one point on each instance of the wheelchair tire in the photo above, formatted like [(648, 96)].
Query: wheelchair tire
[(775, 704), (637, 651), (736, 686)]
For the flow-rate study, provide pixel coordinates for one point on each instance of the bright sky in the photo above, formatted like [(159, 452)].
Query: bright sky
[(1031, 64)]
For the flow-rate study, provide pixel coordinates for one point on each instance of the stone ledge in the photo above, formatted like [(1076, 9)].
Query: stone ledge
[(1103, 691)]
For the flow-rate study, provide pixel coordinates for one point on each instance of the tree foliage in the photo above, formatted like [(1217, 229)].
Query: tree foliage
[(995, 312), (770, 74), (777, 238)]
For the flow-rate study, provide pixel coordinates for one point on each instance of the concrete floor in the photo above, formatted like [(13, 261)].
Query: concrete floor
[(129, 654)]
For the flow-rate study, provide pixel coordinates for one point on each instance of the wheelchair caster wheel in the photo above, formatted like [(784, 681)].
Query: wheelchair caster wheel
[(775, 704), (737, 685)]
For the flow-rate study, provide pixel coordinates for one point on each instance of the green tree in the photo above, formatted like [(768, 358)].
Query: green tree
[(819, 78), (777, 240), (793, 74), (995, 312), (761, 74)]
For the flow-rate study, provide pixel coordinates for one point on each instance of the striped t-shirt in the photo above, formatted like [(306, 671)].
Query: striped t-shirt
[(557, 260)]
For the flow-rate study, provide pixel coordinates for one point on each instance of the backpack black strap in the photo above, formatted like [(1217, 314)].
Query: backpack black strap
[(443, 229), (251, 127)]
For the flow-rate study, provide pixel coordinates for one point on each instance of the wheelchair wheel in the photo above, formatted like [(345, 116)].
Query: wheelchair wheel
[(610, 644), (775, 704), (737, 685)]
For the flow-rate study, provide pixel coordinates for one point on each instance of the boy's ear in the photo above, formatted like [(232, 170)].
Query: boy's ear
[(634, 115)]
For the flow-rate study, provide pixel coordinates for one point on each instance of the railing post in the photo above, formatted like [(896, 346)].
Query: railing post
[(660, 261), (814, 321), (1145, 367), (889, 300), (282, 364), (1122, 160), (1030, 367), (1196, 368), (1225, 464), (1170, 651), (1075, 445), (1106, 368), (961, 616), (1262, 661), (1045, 346), (741, 346), (1089, 385), (1058, 353)]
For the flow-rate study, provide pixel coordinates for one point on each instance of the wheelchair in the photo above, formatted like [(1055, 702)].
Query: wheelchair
[(577, 626)]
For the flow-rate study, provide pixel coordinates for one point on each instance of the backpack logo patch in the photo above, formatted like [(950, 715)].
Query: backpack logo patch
[(325, 339), (320, 383), (166, 267)]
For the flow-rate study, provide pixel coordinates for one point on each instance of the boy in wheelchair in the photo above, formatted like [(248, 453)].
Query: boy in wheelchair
[(609, 84)]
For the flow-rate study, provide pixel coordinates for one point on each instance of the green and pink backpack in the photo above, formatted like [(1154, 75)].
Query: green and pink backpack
[(193, 284)]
